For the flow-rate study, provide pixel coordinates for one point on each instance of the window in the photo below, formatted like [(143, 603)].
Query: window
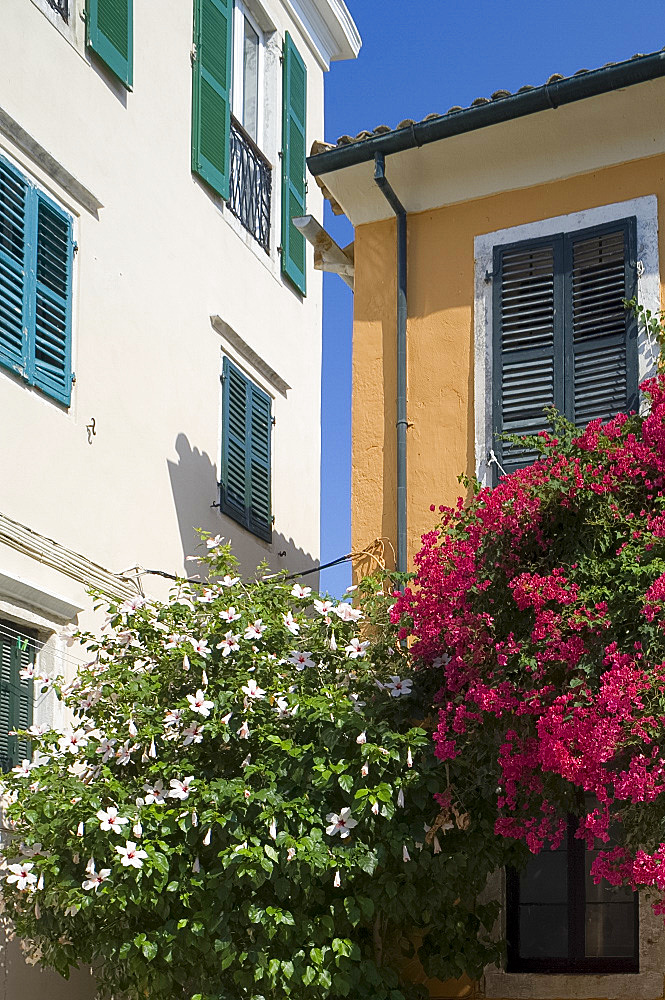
[(227, 126), (61, 7), (36, 262), (562, 336), (248, 45), (559, 921), (250, 182), (109, 33), (246, 452), (17, 651)]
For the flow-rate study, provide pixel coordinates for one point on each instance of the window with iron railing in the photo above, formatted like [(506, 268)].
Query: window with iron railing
[(61, 6), (250, 185)]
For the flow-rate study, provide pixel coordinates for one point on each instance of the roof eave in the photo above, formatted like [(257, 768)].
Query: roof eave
[(545, 97)]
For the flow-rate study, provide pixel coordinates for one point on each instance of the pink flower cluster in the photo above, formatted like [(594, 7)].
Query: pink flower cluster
[(541, 603)]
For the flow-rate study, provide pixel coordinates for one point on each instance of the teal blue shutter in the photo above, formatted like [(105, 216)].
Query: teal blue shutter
[(601, 344), (211, 92), (49, 363), (527, 343), (16, 694), (14, 249), (110, 31), (294, 117), (246, 446)]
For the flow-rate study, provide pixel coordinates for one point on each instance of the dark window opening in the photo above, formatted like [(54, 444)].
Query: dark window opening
[(559, 921)]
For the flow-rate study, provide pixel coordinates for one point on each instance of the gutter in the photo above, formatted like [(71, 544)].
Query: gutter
[(402, 423), (584, 84)]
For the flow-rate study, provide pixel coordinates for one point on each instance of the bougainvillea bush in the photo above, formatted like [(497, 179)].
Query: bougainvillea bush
[(244, 807), (540, 606)]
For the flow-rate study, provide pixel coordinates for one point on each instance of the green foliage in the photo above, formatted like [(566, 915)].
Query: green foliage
[(245, 889)]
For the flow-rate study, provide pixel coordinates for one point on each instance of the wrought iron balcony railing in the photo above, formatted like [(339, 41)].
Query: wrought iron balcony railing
[(61, 6), (250, 185)]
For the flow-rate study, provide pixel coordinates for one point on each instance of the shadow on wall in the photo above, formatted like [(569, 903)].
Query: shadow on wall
[(194, 483)]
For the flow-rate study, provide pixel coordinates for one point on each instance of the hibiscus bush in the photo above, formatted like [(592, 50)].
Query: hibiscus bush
[(244, 807), (540, 607)]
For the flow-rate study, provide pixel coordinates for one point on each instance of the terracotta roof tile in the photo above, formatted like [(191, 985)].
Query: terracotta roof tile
[(498, 95)]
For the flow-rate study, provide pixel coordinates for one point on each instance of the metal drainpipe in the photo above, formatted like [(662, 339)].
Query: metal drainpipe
[(402, 423)]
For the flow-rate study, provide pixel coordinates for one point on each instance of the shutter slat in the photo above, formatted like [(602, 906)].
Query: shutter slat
[(211, 108), (109, 27), (294, 131)]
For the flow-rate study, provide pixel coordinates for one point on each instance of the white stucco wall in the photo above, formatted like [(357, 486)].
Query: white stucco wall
[(161, 258)]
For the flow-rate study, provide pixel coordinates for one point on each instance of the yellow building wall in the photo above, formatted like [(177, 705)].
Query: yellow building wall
[(440, 342)]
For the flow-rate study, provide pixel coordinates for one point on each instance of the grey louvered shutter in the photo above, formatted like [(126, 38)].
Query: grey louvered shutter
[(601, 336), (50, 356), (14, 210), (260, 425), (527, 343)]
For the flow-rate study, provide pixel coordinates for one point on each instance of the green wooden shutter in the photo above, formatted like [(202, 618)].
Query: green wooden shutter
[(49, 363), (294, 117), (601, 336), (14, 249), (527, 343), (246, 452), (260, 426), (234, 442), (16, 694), (211, 92), (110, 30)]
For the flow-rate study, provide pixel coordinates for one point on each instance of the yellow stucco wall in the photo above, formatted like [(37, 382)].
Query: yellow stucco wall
[(440, 339)]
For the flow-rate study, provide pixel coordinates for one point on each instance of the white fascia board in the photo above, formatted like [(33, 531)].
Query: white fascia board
[(329, 28)]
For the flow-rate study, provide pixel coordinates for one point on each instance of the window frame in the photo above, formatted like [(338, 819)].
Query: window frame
[(645, 210), (577, 961)]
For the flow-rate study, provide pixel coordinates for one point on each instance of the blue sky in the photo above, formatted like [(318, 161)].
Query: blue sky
[(424, 56)]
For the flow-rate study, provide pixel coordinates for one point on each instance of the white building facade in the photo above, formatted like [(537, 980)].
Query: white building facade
[(160, 316)]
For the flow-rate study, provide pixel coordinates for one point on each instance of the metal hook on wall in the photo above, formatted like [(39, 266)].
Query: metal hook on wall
[(91, 429)]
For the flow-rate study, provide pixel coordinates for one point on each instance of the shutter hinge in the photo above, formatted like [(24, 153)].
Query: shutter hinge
[(84, 15), (272, 520), (73, 378), (489, 276), (273, 420), (75, 247), (193, 54), (222, 378)]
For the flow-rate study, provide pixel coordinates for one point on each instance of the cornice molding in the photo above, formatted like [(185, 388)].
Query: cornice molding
[(329, 28)]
